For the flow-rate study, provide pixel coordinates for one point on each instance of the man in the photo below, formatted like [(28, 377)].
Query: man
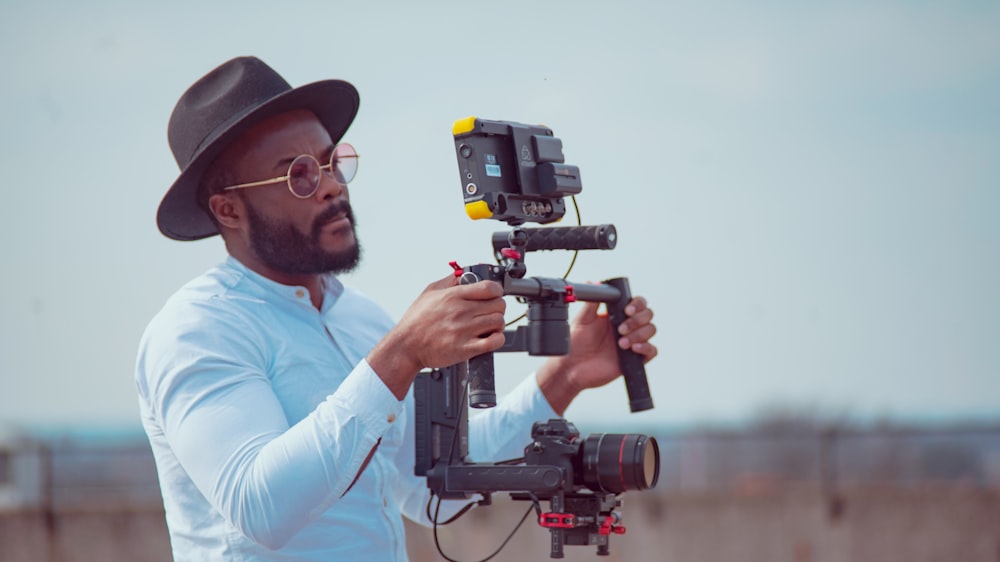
[(276, 399)]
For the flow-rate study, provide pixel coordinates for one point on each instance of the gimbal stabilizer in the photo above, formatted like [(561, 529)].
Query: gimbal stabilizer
[(580, 477), (515, 173)]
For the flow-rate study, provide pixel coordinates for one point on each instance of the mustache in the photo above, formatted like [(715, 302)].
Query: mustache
[(337, 208)]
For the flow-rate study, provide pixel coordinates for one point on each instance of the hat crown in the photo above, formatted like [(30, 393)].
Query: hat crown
[(216, 101)]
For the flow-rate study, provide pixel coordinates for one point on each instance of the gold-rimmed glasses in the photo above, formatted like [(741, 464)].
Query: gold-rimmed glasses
[(303, 175)]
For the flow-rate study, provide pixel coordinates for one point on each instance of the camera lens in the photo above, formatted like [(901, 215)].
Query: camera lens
[(465, 150), (619, 462)]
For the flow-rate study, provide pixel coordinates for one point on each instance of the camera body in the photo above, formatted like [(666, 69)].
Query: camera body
[(513, 172), (601, 462)]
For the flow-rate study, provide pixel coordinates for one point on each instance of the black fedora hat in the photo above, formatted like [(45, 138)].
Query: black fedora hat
[(217, 109)]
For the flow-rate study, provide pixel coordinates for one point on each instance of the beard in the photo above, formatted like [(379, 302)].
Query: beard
[(283, 247)]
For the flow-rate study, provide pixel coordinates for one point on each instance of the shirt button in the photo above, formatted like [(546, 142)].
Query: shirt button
[(391, 418), (300, 293)]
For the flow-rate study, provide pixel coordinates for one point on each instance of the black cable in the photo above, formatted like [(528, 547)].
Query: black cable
[(437, 542), (454, 518)]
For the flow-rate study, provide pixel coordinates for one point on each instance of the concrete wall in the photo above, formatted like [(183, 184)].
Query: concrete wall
[(929, 524), (79, 536)]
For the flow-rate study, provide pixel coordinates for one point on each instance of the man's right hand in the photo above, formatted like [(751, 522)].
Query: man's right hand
[(447, 324)]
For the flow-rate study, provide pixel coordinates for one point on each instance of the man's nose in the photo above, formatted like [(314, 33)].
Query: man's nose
[(329, 186)]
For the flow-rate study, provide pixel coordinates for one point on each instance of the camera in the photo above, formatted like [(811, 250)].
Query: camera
[(580, 477), (600, 462)]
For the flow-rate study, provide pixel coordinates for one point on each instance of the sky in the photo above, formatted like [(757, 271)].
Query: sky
[(805, 192)]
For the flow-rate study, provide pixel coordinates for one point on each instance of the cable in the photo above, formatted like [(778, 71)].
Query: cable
[(454, 518), (437, 542)]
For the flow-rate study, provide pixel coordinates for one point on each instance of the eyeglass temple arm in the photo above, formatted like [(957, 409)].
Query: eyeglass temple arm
[(257, 183)]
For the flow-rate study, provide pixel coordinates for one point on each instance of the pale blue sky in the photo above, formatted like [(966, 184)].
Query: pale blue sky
[(806, 192)]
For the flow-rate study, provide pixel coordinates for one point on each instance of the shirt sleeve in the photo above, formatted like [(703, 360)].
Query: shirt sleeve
[(229, 432)]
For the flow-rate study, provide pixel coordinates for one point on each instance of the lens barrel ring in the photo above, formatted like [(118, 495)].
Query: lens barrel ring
[(614, 462)]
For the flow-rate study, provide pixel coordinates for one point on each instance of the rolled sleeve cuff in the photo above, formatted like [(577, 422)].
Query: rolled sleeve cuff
[(502, 432), (377, 406), (528, 397)]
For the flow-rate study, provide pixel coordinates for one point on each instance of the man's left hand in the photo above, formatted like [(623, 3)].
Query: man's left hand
[(593, 357)]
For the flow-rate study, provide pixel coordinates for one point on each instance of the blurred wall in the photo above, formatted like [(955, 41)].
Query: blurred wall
[(947, 524), (770, 495)]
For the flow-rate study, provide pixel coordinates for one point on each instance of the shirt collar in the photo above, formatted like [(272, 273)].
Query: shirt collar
[(331, 286)]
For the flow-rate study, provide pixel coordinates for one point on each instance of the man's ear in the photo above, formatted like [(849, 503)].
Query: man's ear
[(228, 210)]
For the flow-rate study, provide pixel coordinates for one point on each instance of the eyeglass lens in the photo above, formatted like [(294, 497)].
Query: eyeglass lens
[(304, 172), (344, 162)]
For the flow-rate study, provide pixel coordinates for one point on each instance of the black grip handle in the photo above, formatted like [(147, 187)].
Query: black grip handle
[(631, 363), (599, 237), (482, 389)]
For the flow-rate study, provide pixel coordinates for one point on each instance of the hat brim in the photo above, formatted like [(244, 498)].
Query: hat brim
[(335, 103)]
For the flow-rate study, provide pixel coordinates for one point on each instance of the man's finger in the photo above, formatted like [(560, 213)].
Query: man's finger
[(482, 290), (639, 335), (642, 318), (588, 313), (443, 283), (636, 305)]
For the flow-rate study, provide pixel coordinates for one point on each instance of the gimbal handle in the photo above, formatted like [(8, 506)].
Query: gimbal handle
[(631, 363), (482, 380), (598, 237), (615, 293)]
